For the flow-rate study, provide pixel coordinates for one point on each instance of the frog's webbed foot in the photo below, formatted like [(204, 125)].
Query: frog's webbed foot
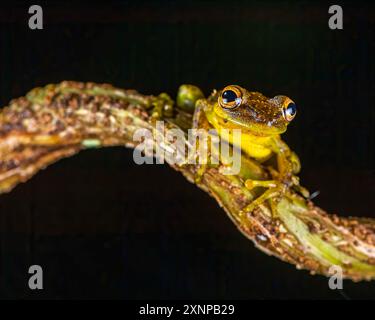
[(269, 195), (292, 180), (275, 189)]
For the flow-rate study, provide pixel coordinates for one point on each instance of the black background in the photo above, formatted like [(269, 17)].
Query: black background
[(103, 227)]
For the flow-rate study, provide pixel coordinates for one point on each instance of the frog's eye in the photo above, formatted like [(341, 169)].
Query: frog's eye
[(290, 111), (231, 97)]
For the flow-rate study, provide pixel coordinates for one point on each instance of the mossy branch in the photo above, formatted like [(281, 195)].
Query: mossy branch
[(60, 120)]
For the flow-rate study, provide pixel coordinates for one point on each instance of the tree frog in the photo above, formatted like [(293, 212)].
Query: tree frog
[(261, 120)]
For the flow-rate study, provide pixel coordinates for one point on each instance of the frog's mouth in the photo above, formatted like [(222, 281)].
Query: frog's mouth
[(252, 127), (263, 130), (254, 122)]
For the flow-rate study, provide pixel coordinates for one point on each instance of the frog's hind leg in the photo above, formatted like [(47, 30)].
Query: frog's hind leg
[(274, 190), (267, 195)]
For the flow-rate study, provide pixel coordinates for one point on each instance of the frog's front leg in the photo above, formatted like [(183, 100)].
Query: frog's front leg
[(288, 165), (284, 177), (207, 155), (201, 124), (188, 97)]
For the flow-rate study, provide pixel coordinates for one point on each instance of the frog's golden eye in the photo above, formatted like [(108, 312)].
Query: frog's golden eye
[(290, 111), (231, 97)]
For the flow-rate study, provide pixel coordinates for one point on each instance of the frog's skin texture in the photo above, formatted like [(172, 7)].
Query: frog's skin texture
[(261, 121)]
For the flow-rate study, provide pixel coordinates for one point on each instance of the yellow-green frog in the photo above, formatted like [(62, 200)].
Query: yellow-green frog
[(261, 121)]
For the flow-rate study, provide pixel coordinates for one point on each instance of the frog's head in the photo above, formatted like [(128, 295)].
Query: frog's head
[(238, 108)]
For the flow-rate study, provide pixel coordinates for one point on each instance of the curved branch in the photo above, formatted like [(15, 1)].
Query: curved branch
[(60, 120)]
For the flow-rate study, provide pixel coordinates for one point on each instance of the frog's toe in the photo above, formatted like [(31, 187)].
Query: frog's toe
[(304, 192), (251, 184), (270, 193)]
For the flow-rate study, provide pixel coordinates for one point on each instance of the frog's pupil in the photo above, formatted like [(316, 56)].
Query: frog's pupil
[(292, 109), (229, 96)]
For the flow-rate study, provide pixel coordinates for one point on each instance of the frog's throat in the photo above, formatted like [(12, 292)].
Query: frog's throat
[(254, 145), (250, 129)]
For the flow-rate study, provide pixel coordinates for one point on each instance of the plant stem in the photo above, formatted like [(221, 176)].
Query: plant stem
[(60, 120)]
